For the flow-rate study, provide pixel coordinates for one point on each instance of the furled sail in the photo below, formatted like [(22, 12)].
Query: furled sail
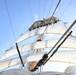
[(43, 22), (62, 56), (52, 29), (16, 61), (69, 43)]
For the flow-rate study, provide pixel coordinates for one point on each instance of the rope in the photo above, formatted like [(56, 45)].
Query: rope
[(56, 7), (58, 47), (73, 41), (30, 10), (73, 36), (50, 7), (53, 12), (63, 36), (10, 20), (39, 8), (66, 9), (44, 8)]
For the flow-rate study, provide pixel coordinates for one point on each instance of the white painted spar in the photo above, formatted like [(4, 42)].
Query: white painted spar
[(51, 29), (62, 56), (69, 43)]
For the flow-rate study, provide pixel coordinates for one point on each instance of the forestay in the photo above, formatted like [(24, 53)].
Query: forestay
[(69, 43), (62, 56)]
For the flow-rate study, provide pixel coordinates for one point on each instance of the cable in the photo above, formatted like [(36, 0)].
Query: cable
[(45, 57), (73, 41), (50, 7), (19, 55), (58, 47), (60, 40), (39, 8), (66, 9), (63, 36), (53, 12), (30, 10), (14, 35), (60, 7), (10, 20), (56, 7), (44, 8)]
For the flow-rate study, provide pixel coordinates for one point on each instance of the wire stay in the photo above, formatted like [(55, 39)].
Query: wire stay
[(19, 55), (58, 47)]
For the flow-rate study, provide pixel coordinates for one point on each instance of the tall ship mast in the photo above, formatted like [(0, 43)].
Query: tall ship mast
[(51, 43)]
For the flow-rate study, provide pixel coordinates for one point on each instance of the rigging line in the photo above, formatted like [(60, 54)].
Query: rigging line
[(60, 7), (39, 8), (53, 13), (10, 20), (58, 47), (30, 10), (73, 41), (74, 28), (62, 36), (66, 9), (72, 36), (56, 7), (45, 57), (50, 7), (44, 8), (19, 55)]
